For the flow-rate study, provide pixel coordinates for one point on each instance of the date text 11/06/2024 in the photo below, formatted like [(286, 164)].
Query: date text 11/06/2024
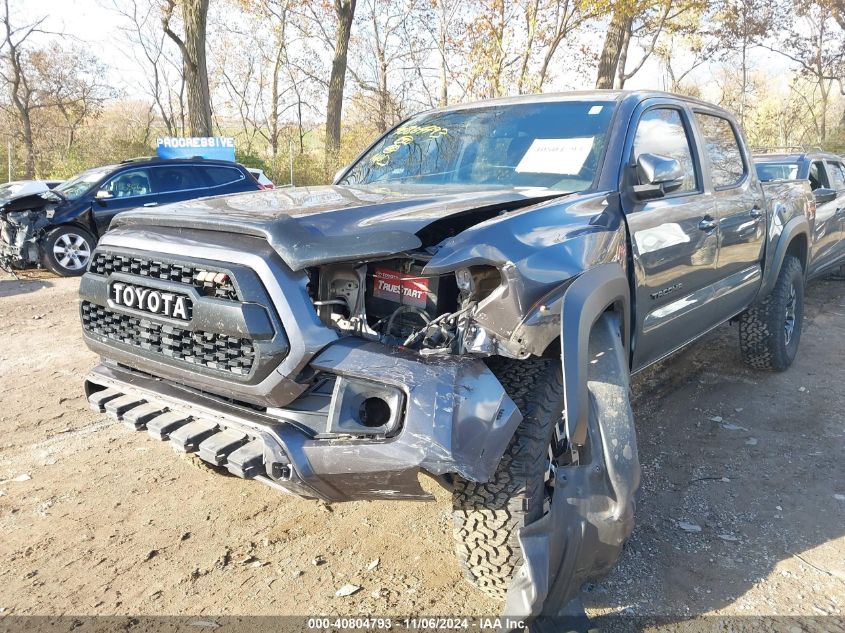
[(430, 623)]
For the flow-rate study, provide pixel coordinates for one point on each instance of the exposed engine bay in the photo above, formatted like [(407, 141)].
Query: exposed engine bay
[(23, 222), (395, 302), (19, 235)]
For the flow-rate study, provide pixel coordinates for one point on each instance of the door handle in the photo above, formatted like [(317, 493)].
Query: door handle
[(756, 212), (707, 224), (151, 204)]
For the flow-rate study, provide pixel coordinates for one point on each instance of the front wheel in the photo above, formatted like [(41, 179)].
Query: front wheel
[(770, 330), (66, 250), (575, 504), (487, 516)]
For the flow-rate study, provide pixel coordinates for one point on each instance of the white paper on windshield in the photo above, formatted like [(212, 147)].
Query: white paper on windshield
[(565, 156)]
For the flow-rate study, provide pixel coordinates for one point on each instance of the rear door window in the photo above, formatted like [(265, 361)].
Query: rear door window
[(167, 179), (727, 168), (661, 131), (219, 176)]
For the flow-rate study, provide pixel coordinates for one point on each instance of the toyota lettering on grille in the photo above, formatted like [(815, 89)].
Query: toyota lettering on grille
[(159, 302)]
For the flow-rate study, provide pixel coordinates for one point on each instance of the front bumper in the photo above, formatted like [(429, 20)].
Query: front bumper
[(453, 416)]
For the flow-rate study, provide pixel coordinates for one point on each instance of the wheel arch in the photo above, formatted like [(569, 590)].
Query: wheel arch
[(794, 240), (595, 292)]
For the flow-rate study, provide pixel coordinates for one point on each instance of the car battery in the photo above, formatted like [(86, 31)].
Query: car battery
[(396, 283)]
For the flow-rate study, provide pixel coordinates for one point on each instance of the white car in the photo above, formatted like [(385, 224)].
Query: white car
[(18, 188), (262, 179)]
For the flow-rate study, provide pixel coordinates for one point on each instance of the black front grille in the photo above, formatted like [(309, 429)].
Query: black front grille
[(210, 283), (215, 351)]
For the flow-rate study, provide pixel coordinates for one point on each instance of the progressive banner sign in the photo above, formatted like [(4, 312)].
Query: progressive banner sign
[(213, 148)]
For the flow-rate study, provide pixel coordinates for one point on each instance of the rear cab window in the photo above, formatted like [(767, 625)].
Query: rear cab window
[(721, 147), (818, 176), (836, 171), (777, 171)]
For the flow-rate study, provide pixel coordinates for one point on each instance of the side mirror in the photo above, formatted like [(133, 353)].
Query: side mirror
[(103, 195), (824, 195), (657, 175)]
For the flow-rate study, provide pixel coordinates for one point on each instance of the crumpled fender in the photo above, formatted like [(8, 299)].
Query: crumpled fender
[(586, 299), (592, 510)]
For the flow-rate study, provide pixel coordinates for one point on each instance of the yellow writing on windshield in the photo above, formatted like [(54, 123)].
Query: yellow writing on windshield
[(406, 135)]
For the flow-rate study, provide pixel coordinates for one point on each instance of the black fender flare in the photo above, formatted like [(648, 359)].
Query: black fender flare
[(591, 514), (798, 225), (587, 298)]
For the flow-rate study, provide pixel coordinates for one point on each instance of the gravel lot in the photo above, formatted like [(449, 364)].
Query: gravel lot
[(742, 509)]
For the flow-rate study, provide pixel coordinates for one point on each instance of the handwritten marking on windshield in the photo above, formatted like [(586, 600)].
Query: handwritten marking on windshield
[(405, 136)]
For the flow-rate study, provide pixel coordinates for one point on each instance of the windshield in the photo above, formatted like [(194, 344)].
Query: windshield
[(77, 186), (777, 171), (554, 145)]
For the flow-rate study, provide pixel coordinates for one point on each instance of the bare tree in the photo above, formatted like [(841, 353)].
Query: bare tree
[(192, 46), (344, 13), (742, 25), (817, 45), (15, 73), (164, 77), (71, 81)]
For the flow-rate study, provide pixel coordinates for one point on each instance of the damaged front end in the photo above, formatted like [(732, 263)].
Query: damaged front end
[(20, 232), (399, 303), (23, 222)]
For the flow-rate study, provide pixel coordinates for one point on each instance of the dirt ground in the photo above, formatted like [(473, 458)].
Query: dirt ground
[(742, 507)]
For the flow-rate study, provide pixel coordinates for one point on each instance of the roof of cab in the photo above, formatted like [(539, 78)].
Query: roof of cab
[(575, 95)]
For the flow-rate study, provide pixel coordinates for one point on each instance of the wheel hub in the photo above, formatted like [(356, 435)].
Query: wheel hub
[(72, 251)]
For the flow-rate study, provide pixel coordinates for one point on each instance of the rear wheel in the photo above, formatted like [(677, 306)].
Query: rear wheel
[(66, 250), (770, 330)]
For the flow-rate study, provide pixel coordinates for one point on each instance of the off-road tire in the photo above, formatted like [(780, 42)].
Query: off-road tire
[(69, 234), (487, 516), (762, 335)]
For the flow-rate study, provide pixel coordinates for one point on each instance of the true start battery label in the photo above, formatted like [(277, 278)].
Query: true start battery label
[(394, 286)]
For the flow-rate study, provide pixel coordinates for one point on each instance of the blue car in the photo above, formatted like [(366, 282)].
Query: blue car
[(59, 229)]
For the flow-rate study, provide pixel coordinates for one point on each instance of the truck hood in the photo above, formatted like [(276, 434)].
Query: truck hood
[(308, 226)]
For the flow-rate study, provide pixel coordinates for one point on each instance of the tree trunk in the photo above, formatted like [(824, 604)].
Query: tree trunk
[(194, 13), (612, 49), (619, 82), (195, 70), (345, 10), (28, 144), (444, 87), (531, 28)]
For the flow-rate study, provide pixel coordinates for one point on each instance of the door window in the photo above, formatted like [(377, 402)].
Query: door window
[(177, 178), (837, 175), (130, 184), (727, 168), (818, 176), (661, 131), (219, 176)]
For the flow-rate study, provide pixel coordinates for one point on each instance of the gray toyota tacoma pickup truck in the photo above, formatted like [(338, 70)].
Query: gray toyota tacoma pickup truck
[(466, 301)]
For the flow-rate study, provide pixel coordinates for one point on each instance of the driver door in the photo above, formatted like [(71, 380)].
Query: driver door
[(675, 240), (127, 190)]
